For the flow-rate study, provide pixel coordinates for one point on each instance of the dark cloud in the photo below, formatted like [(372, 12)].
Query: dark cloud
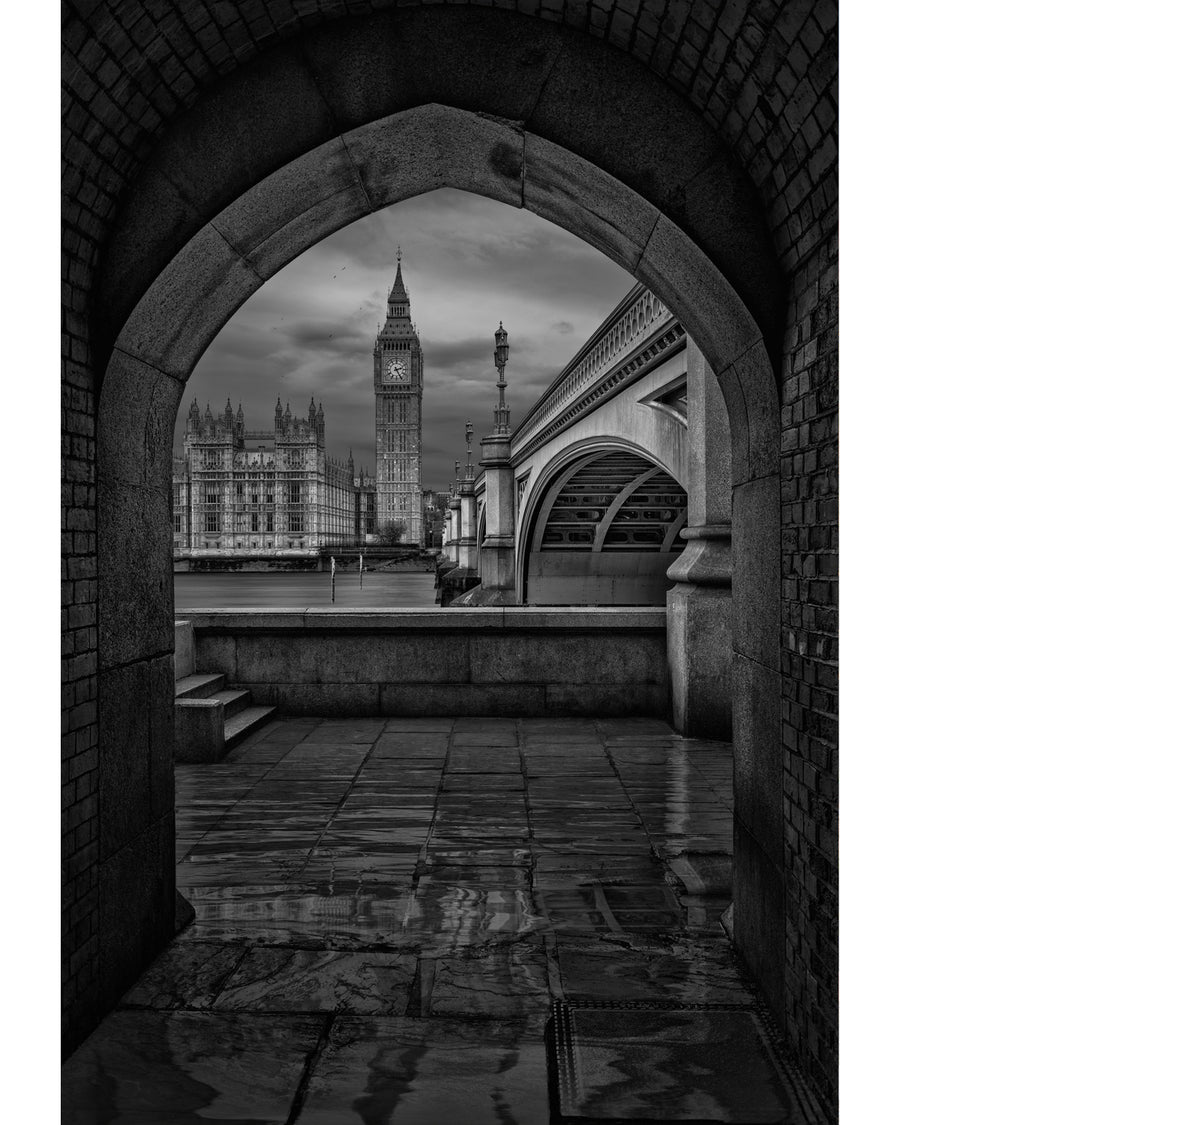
[(451, 354), (337, 337), (469, 262)]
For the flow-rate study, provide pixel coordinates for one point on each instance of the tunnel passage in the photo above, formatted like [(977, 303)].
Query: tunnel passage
[(606, 531), (222, 147)]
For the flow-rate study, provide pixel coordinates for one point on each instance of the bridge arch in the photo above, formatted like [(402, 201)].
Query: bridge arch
[(232, 189), (617, 470)]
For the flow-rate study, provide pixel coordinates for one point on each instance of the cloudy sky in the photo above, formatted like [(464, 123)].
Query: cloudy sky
[(469, 263)]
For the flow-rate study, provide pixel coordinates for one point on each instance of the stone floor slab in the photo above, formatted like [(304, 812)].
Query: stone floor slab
[(172, 1068), (688, 971), (400, 901), (496, 983), (621, 1063), (279, 980), (185, 976), (404, 1071)]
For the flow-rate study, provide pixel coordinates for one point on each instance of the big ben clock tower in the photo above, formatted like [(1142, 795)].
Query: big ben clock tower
[(399, 378)]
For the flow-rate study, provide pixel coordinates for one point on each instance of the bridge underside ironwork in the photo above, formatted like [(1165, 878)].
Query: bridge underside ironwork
[(606, 533)]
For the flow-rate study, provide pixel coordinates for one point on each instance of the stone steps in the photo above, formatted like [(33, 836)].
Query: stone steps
[(246, 722), (199, 684), (210, 719)]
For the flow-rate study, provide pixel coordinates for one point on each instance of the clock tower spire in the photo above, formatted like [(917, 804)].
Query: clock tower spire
[(399, 383)]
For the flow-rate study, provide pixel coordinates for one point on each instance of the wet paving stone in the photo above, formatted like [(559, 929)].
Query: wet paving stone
[(482, 782), (342, 915), (419, 725), (141, 1066), (484, 737), (475, 876), (185, 976), (277, 980), (400, 902), (626, 1064), (406, 1071), (581, 866), (217, 872), (483, 759), (450, 834), (496, 983), (687, 970), (454, 915), (384, 838), (456, 855), (369, 867)]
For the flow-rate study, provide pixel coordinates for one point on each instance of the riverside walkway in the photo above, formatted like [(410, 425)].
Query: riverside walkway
[(390, 911)]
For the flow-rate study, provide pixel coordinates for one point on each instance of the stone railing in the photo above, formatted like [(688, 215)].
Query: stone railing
[(631, 335), (465, 661)]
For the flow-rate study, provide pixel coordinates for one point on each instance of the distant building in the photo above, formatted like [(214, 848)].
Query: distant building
[(271, 492), (434, 504), (364, 505)]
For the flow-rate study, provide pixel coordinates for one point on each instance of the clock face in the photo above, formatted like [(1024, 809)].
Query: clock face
[(398, 371)]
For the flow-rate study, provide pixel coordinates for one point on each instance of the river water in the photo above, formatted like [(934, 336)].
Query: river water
[(304, 590)]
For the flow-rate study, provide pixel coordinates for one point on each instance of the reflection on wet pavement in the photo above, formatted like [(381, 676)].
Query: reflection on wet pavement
[(386, 910)]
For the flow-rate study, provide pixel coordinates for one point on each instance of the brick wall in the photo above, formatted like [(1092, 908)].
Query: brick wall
[(763, 74), (80, 774), (810, 653)]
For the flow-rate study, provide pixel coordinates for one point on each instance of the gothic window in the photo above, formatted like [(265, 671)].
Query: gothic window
[(254, 522), (210, 522), (294, 492), (294, 522), (270, 521)]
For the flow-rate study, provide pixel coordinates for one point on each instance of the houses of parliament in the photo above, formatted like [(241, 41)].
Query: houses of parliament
[(244, 493)]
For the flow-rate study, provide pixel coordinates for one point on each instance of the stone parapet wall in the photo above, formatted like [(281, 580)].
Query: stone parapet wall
[(462, 661)]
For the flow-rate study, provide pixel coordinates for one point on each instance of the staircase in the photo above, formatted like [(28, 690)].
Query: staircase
[(210, 719)]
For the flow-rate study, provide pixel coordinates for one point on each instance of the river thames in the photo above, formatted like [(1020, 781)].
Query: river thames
[(304, 590)]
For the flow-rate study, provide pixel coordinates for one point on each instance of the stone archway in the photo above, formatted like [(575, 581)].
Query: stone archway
[(208, 279), (496, 103)]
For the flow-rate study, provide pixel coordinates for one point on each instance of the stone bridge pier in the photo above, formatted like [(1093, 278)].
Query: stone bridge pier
[(700, 604)]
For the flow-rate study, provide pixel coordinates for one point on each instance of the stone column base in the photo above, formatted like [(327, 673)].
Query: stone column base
[(487, 596), (456, 583), (699, 655)]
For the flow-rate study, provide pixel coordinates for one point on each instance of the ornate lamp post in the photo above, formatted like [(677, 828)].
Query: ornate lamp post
[(497, 552), (468, 547), (501, 357)]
